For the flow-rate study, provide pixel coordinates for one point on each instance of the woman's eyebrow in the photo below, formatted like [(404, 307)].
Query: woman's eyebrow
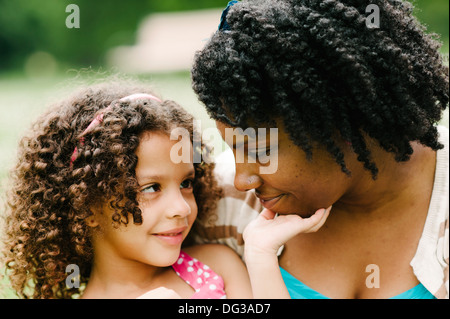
[(239, 144), (254, 142)]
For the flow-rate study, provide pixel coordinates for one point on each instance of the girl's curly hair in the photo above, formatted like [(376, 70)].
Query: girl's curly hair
[(50, 199), (317, 67)]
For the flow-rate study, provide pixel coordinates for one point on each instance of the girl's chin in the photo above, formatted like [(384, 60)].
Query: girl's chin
[(165, 259)]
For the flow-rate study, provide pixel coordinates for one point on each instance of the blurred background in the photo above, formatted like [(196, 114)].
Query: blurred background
[(153, 40)]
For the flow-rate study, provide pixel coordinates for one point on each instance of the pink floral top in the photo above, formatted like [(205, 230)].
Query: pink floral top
[(207, 284)]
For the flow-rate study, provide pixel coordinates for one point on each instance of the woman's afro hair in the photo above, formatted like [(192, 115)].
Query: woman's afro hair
[(317, 67)]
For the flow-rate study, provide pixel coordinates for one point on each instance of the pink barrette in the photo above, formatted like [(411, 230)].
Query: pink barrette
[(99, 119)]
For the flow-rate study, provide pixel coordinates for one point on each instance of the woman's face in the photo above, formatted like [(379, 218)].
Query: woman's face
[(167, 203), (298, 186)]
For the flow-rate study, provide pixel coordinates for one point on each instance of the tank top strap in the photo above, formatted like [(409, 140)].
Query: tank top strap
[(206, 283)]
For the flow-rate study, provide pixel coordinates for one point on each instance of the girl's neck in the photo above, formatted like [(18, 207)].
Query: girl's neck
[(122, 279)]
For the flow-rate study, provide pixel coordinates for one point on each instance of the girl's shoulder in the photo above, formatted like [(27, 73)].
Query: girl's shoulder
[(225, 262), (216, 256)]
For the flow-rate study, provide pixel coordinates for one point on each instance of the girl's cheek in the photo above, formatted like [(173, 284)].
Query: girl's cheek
[(147, 201), (194, 209)]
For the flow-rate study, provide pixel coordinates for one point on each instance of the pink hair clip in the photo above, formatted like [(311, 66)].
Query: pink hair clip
[(99, 119)]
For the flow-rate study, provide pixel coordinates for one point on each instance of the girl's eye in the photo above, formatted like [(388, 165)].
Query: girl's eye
[(188, 183), (151, 188)]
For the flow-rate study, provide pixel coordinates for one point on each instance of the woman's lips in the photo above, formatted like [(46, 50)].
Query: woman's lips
[(269, 202)]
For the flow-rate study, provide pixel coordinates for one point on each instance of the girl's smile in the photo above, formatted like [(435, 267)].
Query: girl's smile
[(173, 236)]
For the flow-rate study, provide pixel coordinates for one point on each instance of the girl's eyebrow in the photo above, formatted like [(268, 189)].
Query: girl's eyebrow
[(191, 173), (146, 178)]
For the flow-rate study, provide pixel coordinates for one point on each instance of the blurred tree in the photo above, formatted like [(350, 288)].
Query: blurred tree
[(27, 26), (434, 14)]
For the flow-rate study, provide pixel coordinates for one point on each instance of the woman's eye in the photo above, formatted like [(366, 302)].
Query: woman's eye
[(151, 189), (252, 153), (188, 183), (259, 152), (264, 151)]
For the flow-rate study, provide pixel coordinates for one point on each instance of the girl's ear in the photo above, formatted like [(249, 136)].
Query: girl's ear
[(91, 221)]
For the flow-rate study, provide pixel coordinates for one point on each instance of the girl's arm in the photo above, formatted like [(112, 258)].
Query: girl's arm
[(263, 237), (160, 293)]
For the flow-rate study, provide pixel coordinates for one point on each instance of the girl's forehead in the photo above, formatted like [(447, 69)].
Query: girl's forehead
[(158, 155)]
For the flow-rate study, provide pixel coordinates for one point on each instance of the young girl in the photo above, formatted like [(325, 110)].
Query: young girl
[(95, 188)]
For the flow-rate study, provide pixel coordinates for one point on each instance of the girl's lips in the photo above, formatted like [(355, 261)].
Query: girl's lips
[(175, 239), (270, 202), (171, 237)]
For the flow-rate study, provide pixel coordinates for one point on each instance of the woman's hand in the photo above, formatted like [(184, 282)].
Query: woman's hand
[(267, 233), (160, 293)]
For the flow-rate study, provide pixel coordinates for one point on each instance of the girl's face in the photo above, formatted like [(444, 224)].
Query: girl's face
[(298, 186), (167, 203)]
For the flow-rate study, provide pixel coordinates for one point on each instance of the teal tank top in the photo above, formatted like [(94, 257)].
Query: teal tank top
[(298, 290)]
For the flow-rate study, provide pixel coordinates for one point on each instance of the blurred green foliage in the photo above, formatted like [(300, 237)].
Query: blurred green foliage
[(27, 26), (434, 15)]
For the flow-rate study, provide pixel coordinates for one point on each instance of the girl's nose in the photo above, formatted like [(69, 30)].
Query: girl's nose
[(178, 207)]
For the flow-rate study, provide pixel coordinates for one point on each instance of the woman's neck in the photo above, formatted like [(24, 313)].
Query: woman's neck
[(397, 184)]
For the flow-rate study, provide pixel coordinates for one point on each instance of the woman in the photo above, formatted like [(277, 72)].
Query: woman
[(356, 108)]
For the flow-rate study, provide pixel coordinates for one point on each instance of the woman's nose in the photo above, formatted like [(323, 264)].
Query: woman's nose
[(245, 179)]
